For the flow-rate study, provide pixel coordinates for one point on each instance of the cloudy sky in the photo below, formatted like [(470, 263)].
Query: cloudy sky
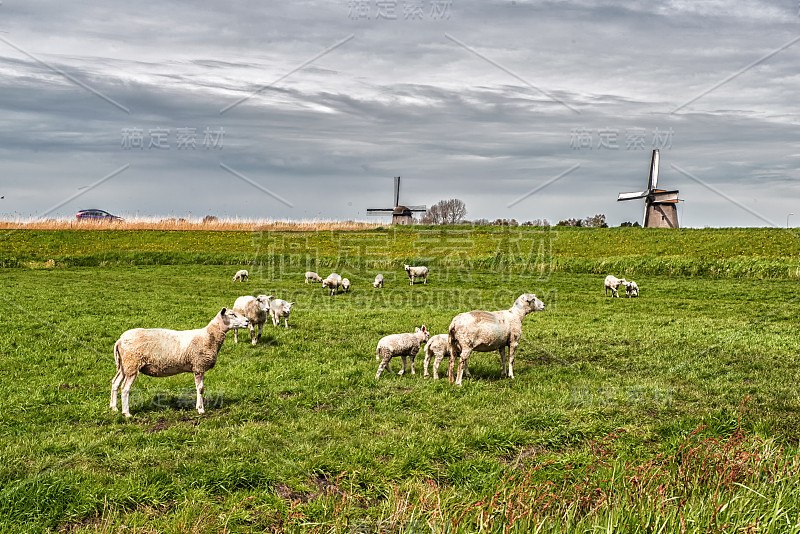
[(306, 110)]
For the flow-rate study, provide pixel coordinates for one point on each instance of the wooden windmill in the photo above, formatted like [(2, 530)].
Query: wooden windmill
[(660, 206), (400, 214)]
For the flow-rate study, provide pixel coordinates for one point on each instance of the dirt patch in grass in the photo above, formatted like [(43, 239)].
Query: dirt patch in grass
[(163, 424)]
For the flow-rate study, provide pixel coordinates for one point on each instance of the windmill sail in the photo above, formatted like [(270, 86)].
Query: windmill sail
[(652, 183), (659, 205)]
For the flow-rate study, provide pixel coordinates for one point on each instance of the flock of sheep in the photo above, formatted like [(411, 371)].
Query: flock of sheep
[(160, 352)]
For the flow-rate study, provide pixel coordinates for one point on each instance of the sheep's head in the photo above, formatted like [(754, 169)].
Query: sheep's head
[(287, 307), (425, 334), (263, 301), (231, 319), (529, 303), (326, 283), (407, 267)]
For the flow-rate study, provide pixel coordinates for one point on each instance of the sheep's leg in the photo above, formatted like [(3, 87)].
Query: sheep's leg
[(462, 364), (425, 363), (115, 383), (252, 333), (403, 370), (425, 279), (512, 348), (436, 362), (275, 320), (198, 384), (235, 335), (503, 372), (384, 365), (413, 359), (126, 390), (286, 322)]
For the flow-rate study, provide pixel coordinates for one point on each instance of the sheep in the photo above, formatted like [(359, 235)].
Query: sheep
[(402, 345), (631, 289), (416, 272), (346, 285), (485, 331), (241, 276), (438, 347), (378, 281), (333, 282), (255, 309), (161, 352), (313, 277), (612, 282), (280, 308)]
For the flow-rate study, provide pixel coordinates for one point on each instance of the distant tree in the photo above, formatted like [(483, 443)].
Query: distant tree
[(630, 224), (570, 222), (450, 211), (505, 222), (537, 222), (481, 222), (598, 221), (210, 219)]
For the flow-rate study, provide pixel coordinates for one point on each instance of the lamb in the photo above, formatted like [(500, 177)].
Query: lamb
[(438, 347), (485, 331), (631, 289), (333, 282), (346, 285), (241, 276), (314, 277), (255, 309), (378, 281), (416, 272), (612, 282), (280, 308), (402, 345), (162, 352)]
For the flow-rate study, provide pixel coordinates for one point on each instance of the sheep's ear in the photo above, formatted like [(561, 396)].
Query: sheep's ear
[(223, 311), (424, 329), (416, 329)]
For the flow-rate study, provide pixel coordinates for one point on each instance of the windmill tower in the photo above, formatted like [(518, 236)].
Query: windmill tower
[(400, 214), (660, 206)]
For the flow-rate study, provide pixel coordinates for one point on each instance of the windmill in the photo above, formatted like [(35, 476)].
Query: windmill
[(400, 214), (660, 206)]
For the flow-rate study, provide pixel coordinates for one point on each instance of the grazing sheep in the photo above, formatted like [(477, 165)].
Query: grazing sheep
[(485, 331), (162, 352), (612, 282), (255, 309), (346, 285), (378, 281), (241, 276), (416, 272), (438, 347), (333, 282), (313, 277), (402, 345), (280, 308), (631, 289)]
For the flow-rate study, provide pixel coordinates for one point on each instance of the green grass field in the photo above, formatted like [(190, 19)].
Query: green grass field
[(674, 411)]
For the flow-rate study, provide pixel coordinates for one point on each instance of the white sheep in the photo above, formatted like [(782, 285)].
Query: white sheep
[(313, 277), (162, 352), (255, 309), (402, 345), (631, 289), (378, 281), (613, 283), (438, 347), (332, 282), (485, 331), (280, 308), (346, 285), (416, 272), (241, 276)]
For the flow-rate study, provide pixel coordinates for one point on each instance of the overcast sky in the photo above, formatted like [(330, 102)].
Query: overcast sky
[(306, 110)]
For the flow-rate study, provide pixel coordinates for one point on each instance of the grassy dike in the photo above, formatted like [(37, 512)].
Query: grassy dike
[(675, 411)]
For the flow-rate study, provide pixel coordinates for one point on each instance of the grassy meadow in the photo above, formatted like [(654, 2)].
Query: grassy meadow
[(677, 411)]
